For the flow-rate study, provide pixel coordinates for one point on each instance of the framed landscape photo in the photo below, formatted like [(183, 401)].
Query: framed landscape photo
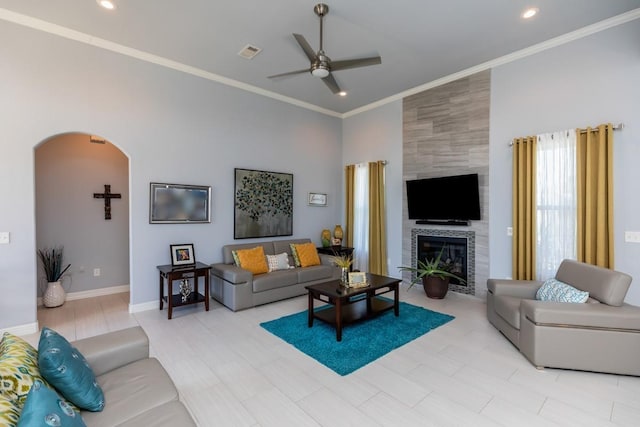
[(179, 203), (317, 199), (263, 204), (182, 255)]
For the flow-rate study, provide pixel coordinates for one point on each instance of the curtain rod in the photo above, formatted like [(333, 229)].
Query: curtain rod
[(619, 126)]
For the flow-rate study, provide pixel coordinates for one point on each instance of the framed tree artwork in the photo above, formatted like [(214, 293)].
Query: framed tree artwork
[(263, 205)]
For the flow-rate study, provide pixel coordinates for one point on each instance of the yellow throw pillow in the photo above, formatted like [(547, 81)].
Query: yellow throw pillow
[(307, 254), (253, 260), (18, 369)]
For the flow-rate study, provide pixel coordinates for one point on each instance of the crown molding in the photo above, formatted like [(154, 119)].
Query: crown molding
[(519, 54), (58, 30), (78, 36)]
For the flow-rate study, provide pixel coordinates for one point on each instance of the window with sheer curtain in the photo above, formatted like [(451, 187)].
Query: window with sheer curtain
[(556, 201), (361, 218)]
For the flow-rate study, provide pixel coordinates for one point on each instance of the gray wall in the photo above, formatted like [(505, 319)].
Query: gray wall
[(69, 169), (584, 83), (377, 135), (178, 128), (446, 132), (173, 127), (543, 93)]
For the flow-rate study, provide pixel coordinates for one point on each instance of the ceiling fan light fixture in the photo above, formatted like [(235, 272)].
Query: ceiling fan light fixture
[(342, 93), (320, 71)]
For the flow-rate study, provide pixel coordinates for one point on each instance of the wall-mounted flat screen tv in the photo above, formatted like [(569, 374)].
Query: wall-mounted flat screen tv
[(444, 199)]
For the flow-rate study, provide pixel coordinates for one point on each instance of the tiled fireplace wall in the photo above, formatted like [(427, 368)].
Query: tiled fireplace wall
[(446, 132)]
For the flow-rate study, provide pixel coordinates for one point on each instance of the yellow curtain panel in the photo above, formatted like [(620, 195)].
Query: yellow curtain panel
[(524, 208), (350, 177), (377, 219), (595, 195)]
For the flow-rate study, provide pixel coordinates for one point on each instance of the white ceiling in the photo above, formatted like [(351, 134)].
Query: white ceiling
[(420, 41)]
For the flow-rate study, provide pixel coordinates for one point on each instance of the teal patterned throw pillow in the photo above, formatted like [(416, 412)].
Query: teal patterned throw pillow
[(44, 407), (67, 370), (555, 290)]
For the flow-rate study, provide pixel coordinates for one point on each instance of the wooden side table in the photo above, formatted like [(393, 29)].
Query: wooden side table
[(171, 273), (337, 251)]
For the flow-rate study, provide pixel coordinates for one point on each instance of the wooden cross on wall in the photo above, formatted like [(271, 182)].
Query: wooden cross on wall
[(107, 196)]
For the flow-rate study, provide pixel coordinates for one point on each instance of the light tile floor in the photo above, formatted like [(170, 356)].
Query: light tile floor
[(229, 371)]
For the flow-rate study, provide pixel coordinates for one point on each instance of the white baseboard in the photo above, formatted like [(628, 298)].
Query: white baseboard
[(145, 306), (29, 328), (93, 293)]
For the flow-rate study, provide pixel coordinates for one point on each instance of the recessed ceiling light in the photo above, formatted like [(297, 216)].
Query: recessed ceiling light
[(107, 4), (530, 13), (342, 93)]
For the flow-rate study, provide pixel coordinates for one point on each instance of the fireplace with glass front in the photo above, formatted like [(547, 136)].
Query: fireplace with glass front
[(459, 250)]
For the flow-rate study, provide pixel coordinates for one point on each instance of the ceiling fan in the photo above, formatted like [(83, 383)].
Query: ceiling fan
[(320, 64)]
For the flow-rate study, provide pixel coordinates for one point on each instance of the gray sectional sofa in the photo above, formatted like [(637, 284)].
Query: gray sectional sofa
[(601, 335), (137, 389), (239, 289)]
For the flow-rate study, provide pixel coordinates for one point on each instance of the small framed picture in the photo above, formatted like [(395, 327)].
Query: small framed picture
[(357, 279), (182, 255), (317, 199)]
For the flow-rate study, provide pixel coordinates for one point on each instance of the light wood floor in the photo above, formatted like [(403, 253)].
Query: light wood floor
[(229, 371)]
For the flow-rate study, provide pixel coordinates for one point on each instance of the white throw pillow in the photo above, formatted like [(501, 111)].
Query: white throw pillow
[(278, 262)]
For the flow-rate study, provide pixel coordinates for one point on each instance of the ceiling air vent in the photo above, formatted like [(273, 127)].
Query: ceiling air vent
[(249, 51)]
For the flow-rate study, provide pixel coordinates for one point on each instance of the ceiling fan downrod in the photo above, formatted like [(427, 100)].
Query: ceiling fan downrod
[(321, 10)]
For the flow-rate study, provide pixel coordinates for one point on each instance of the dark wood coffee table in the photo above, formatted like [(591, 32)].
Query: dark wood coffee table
[(352, 304)]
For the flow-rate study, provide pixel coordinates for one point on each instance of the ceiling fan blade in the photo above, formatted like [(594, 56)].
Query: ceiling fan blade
[(331, 83), (355, 63), (290, 73), (311, 54)]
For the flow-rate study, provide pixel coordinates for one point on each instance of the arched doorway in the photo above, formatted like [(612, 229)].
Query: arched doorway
[(69, 169)]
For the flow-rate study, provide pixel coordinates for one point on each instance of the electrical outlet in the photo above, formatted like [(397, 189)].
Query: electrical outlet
[(4, 238), (96, 272), (509, 231), (632, 236)]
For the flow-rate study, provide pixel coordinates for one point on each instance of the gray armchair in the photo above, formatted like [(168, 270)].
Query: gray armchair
[(601, 335)]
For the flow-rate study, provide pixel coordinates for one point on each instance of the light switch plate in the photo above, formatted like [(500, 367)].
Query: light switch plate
[(5, 237)]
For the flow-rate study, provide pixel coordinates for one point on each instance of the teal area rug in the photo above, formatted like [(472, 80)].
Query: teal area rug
[(362, 342)]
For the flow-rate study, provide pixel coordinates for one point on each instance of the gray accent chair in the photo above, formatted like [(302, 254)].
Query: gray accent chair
[(238, 289), (137, 389), (601, 335)]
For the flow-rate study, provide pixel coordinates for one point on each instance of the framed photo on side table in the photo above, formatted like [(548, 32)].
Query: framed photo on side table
[(182, 255)]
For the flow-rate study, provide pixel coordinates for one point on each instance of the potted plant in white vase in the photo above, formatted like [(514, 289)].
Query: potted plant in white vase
[(51, 258)]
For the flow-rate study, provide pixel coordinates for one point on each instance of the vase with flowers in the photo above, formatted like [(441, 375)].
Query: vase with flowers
[(344, 262)]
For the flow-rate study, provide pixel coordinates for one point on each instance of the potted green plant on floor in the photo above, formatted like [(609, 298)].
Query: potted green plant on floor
[(435, 275), (52, 264)]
